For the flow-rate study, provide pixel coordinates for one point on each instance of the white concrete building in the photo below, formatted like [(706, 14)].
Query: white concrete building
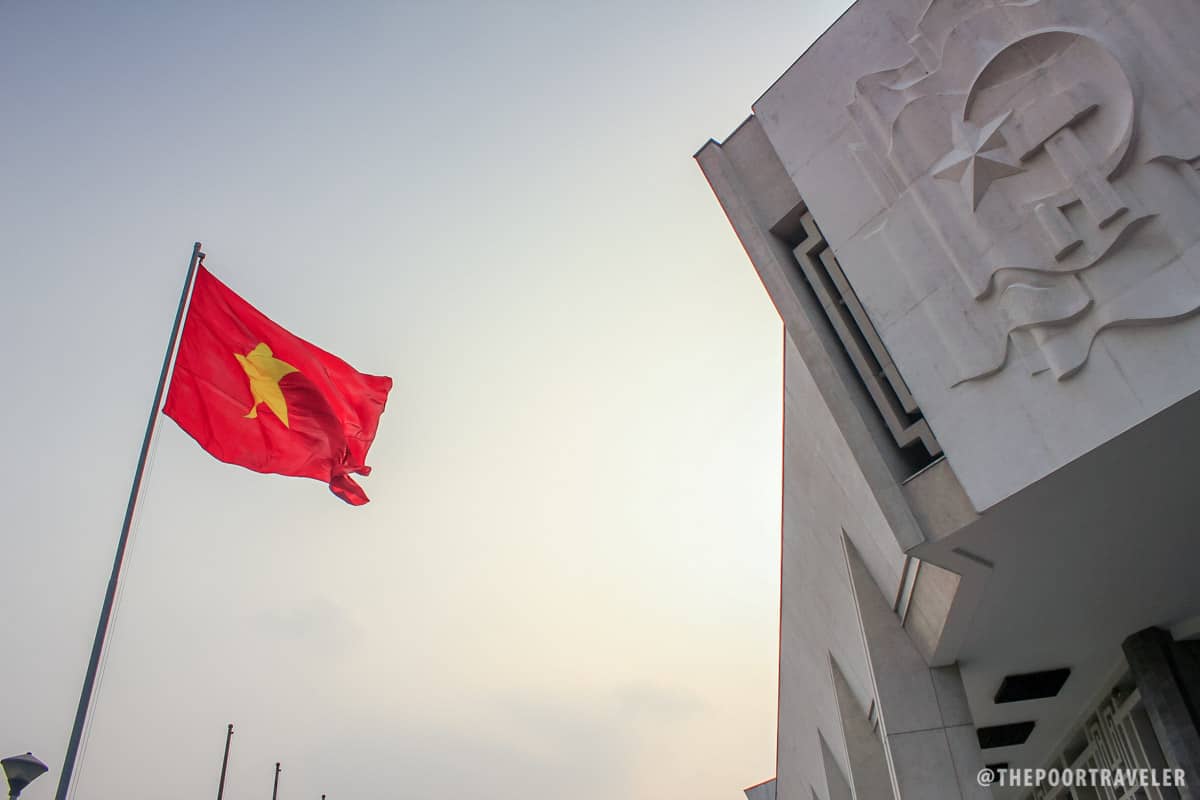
[(980, 223)]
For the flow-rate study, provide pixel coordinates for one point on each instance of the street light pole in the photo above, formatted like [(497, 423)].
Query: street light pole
[(275, 791), (21, 771)]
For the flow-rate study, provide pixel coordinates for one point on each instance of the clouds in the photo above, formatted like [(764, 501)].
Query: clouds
[(568, 750), (656, 701), (298, 627), (517, 745)]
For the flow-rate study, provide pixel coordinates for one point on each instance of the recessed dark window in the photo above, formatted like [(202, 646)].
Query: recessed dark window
[(1000, 767), (1004, 735), (1032, 685)]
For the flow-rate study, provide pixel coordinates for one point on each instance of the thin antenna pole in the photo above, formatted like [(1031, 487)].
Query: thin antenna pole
[(89, 680), (275, 791), (225, 762)]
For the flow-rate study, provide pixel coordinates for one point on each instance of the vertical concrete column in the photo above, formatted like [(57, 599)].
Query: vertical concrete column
[(1187, 657), (1165, 674), (928, 734), (835, 780), (868, 764)]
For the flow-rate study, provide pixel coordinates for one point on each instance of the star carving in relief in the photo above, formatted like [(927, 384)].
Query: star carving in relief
[(979, 157)]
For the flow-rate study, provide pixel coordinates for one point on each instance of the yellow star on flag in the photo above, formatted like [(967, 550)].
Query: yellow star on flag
[(265, 371)]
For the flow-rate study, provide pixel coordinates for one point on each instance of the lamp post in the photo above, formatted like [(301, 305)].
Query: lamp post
[(21, 771)]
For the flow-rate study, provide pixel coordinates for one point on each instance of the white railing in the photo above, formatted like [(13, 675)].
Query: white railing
[(1118, 736)]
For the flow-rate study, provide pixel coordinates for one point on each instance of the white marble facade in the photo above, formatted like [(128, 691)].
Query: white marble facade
[(1011, 188)]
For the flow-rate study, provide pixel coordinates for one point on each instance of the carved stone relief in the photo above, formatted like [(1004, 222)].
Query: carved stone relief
[(1052, 145)]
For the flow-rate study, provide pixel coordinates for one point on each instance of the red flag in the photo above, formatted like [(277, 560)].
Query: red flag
[(253, 394)]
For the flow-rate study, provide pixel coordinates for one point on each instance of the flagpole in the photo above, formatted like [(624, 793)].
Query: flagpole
[(225, 762), (89, 680)]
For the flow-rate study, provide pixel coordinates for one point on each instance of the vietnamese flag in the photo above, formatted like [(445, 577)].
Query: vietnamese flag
[(255, 395)]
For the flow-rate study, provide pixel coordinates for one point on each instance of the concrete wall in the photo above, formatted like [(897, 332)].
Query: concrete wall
[(840, 481), (760, 199), (1012, 191), (762, 791), (824, 495)]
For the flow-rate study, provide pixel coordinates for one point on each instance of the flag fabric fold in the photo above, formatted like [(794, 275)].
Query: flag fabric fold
[(253, 394)]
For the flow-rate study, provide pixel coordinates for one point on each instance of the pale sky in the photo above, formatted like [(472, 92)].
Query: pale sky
[(566, 583)]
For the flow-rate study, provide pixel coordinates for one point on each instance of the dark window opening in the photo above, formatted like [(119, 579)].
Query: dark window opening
[(1031, 685), (1013, 733)]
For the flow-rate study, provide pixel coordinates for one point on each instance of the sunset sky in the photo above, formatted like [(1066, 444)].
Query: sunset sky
[(566, 582)]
